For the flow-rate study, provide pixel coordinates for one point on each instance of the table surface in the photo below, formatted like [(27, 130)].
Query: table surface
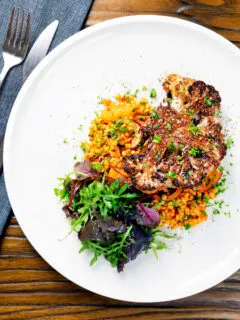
[(31, 289)]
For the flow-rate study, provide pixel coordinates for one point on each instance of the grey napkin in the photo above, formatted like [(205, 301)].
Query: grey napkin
[(71, 15)]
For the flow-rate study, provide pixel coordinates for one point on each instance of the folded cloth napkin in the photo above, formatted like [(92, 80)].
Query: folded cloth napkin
[(71, 15)]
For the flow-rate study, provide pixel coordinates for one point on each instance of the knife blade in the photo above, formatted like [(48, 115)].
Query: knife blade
[(39, 49)]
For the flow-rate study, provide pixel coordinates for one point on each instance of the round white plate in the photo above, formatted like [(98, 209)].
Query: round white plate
[(61, 93)]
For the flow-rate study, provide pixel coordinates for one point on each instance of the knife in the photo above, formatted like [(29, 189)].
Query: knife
[(39, 49)]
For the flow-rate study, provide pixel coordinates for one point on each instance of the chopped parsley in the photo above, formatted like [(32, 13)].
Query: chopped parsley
[(119, 122), (221, 169), (169, 125), (169, 100), (123, 129), (82, 146), (159, 204), (195, 152), (194, 129), (207, 102), (180, 160), (155, 115), (206, 200), (229, 143), (113, 133), (157, 155), (183, 89), (157, 139), (221, 186), (187, 226), (136, 92), (153, 93), (216, 211), (190, 112), (171, 147), (171, 175), (175, 203)]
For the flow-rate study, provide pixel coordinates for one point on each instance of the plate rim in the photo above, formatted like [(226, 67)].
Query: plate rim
[(66, 44)]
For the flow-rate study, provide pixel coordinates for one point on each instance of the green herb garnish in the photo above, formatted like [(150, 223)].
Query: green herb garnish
[(171, 175), (229, 143), (207, 102), (169, 100), (157, 139), (194, 129), (195, 152), (155, 115), (153, 93), (159, 204), (190, 113), (216, 211), (136, 92)]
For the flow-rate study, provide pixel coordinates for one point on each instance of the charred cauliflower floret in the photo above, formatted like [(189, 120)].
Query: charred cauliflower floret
[(183, 144)]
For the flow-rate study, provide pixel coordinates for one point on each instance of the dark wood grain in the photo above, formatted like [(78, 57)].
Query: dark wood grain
[(31, 289)]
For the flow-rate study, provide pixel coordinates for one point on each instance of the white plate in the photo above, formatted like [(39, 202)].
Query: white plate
[(61, 94)]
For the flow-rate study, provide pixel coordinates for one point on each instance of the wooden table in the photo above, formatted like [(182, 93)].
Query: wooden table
[(31, 289)]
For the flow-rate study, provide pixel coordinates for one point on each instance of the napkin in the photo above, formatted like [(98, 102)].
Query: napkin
[(71, 15)]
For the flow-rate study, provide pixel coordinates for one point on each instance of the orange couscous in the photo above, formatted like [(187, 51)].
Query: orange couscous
[(112, 135)]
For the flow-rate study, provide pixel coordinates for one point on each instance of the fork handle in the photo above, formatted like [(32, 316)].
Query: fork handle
[(3, 73)]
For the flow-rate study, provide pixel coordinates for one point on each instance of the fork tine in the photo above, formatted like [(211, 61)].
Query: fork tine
[(27, 32), (9, 32), (19, 42), (16, 28)]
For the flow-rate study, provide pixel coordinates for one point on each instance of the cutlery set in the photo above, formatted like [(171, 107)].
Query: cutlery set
[(16, 46)]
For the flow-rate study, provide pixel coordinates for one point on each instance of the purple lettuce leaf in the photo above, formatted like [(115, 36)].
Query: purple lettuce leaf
[(148, 217), (86, 170)]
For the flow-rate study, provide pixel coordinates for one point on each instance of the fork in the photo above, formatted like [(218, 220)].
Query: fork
[(16, 44), (15, 49)]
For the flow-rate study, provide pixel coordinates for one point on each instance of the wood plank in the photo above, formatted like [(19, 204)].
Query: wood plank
[(39, 286), (14, 231), (52, 282), (11, 276), (209, 299), (16, 246), (100, 313), (218, 16), (16, 263)]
